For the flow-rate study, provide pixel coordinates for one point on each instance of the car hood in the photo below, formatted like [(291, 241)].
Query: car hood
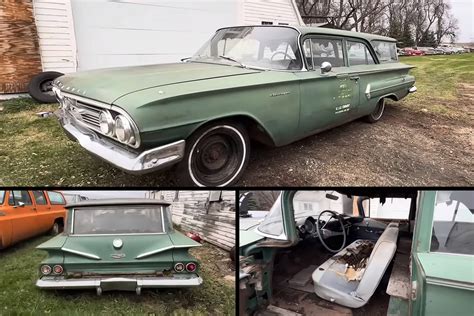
[(107, 85)]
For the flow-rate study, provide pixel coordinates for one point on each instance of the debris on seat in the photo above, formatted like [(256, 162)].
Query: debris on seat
[(355, 260)]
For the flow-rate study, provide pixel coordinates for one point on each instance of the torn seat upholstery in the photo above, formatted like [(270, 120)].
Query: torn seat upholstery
[(352, 282)]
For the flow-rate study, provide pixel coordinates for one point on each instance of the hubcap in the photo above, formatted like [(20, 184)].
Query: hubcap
[(217, 157)]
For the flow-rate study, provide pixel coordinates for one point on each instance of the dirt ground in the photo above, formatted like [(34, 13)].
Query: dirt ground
[(406, 148)]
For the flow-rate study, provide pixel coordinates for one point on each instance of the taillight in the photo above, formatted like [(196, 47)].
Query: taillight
[(57, 269), (45, 269), (179, 267), (191, 267)]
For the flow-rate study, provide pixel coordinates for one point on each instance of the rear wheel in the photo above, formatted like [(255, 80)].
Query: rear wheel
[(57, 228), (216, 155), (376, 115)]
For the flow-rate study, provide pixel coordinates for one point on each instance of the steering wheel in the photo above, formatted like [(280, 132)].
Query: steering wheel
[(326, 233), (282, 53)]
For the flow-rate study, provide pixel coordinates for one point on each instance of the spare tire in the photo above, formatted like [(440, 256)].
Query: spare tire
[(40, 86)]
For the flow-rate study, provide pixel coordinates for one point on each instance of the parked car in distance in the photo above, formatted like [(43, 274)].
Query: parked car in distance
[(120, 244), (25, 214), (272, 84), (347, 247), (413, 52)]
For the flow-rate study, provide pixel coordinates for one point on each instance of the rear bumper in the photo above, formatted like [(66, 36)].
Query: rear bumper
[(412, 90), (119, 283)]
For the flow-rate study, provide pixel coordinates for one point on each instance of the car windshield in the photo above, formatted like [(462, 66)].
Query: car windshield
[(273, 48), (119, 220)]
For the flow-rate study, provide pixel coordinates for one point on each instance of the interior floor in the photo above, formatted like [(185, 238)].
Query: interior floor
[(293, 286)]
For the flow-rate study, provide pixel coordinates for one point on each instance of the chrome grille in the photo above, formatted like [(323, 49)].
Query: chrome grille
[(84, 113)]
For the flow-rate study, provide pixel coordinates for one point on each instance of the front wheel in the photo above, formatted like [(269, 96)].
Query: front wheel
[(216, 155), (376, 115)]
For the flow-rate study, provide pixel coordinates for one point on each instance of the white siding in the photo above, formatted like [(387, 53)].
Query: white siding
[(254, 12), (113, 33), (55, 28)]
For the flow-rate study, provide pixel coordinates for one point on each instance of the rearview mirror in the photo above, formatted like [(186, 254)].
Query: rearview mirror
[(326, 67), (332, 196)]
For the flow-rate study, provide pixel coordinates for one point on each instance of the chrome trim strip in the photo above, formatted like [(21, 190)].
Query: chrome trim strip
[(182, 280), (80, 253), (153, 252)]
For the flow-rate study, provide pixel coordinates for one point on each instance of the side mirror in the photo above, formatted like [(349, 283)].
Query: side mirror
[(20, 204), (326, 67)]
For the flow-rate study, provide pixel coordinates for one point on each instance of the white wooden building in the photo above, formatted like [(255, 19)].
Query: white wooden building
[(89, 34), (211, 214)]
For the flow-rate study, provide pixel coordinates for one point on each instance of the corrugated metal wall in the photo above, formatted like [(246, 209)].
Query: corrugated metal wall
[(19, 48)]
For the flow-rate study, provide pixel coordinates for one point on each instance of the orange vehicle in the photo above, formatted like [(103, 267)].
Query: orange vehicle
[(25, 214)]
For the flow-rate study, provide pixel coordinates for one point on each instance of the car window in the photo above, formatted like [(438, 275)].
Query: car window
[(273, 223), (2, 196), (56, 198), (39, 197), (319, 50), (386, 51), (118, 220), (358, 54), (19, 196), (262, 47), (397, 208), (453, 222)]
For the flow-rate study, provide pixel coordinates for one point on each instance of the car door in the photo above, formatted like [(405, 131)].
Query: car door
[(442, 258), (327, 98), (23, 219), (43, 208), (362, 63), (5, 220)]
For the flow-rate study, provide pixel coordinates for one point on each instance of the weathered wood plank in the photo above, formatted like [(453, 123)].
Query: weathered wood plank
[(19, 49)]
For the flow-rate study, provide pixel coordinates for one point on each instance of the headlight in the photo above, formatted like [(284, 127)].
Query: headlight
[(123, 129), (106, 123)]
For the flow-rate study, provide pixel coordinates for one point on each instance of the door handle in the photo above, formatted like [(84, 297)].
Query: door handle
[(2, 214), (354, 78)]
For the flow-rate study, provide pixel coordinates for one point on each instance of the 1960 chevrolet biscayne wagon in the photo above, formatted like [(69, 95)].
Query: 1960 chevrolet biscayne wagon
[(272, 84), (121, 244), (390, 250)]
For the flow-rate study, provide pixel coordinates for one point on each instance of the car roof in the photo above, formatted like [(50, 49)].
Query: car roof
[(304, 30), (109, 202)]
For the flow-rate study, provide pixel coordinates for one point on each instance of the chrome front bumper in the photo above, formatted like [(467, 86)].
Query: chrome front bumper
[(412, 90), (150, 160), (119, 283)]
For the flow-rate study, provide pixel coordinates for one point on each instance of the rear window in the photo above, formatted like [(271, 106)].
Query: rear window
[(386, 51), (56, 198), (453, 222), (119, 220)]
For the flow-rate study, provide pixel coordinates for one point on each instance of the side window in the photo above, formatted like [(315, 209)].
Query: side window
[(2, 196), (19, 196), (319, 50), (56, 198), (39, 197), (391, 208), (358, 54), (453, 222)]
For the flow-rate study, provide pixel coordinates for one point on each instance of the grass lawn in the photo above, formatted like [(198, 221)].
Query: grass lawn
[(19, 295), (36, 152)]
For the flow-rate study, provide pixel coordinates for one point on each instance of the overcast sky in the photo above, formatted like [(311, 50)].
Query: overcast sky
[(108, 194), (463, 10)]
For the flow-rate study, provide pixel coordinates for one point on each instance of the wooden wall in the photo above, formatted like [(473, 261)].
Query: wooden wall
[(19, 49), (213, 221)]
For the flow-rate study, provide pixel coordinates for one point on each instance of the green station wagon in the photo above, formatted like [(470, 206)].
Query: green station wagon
[(120, 244), (271, 84), (367, 251)]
